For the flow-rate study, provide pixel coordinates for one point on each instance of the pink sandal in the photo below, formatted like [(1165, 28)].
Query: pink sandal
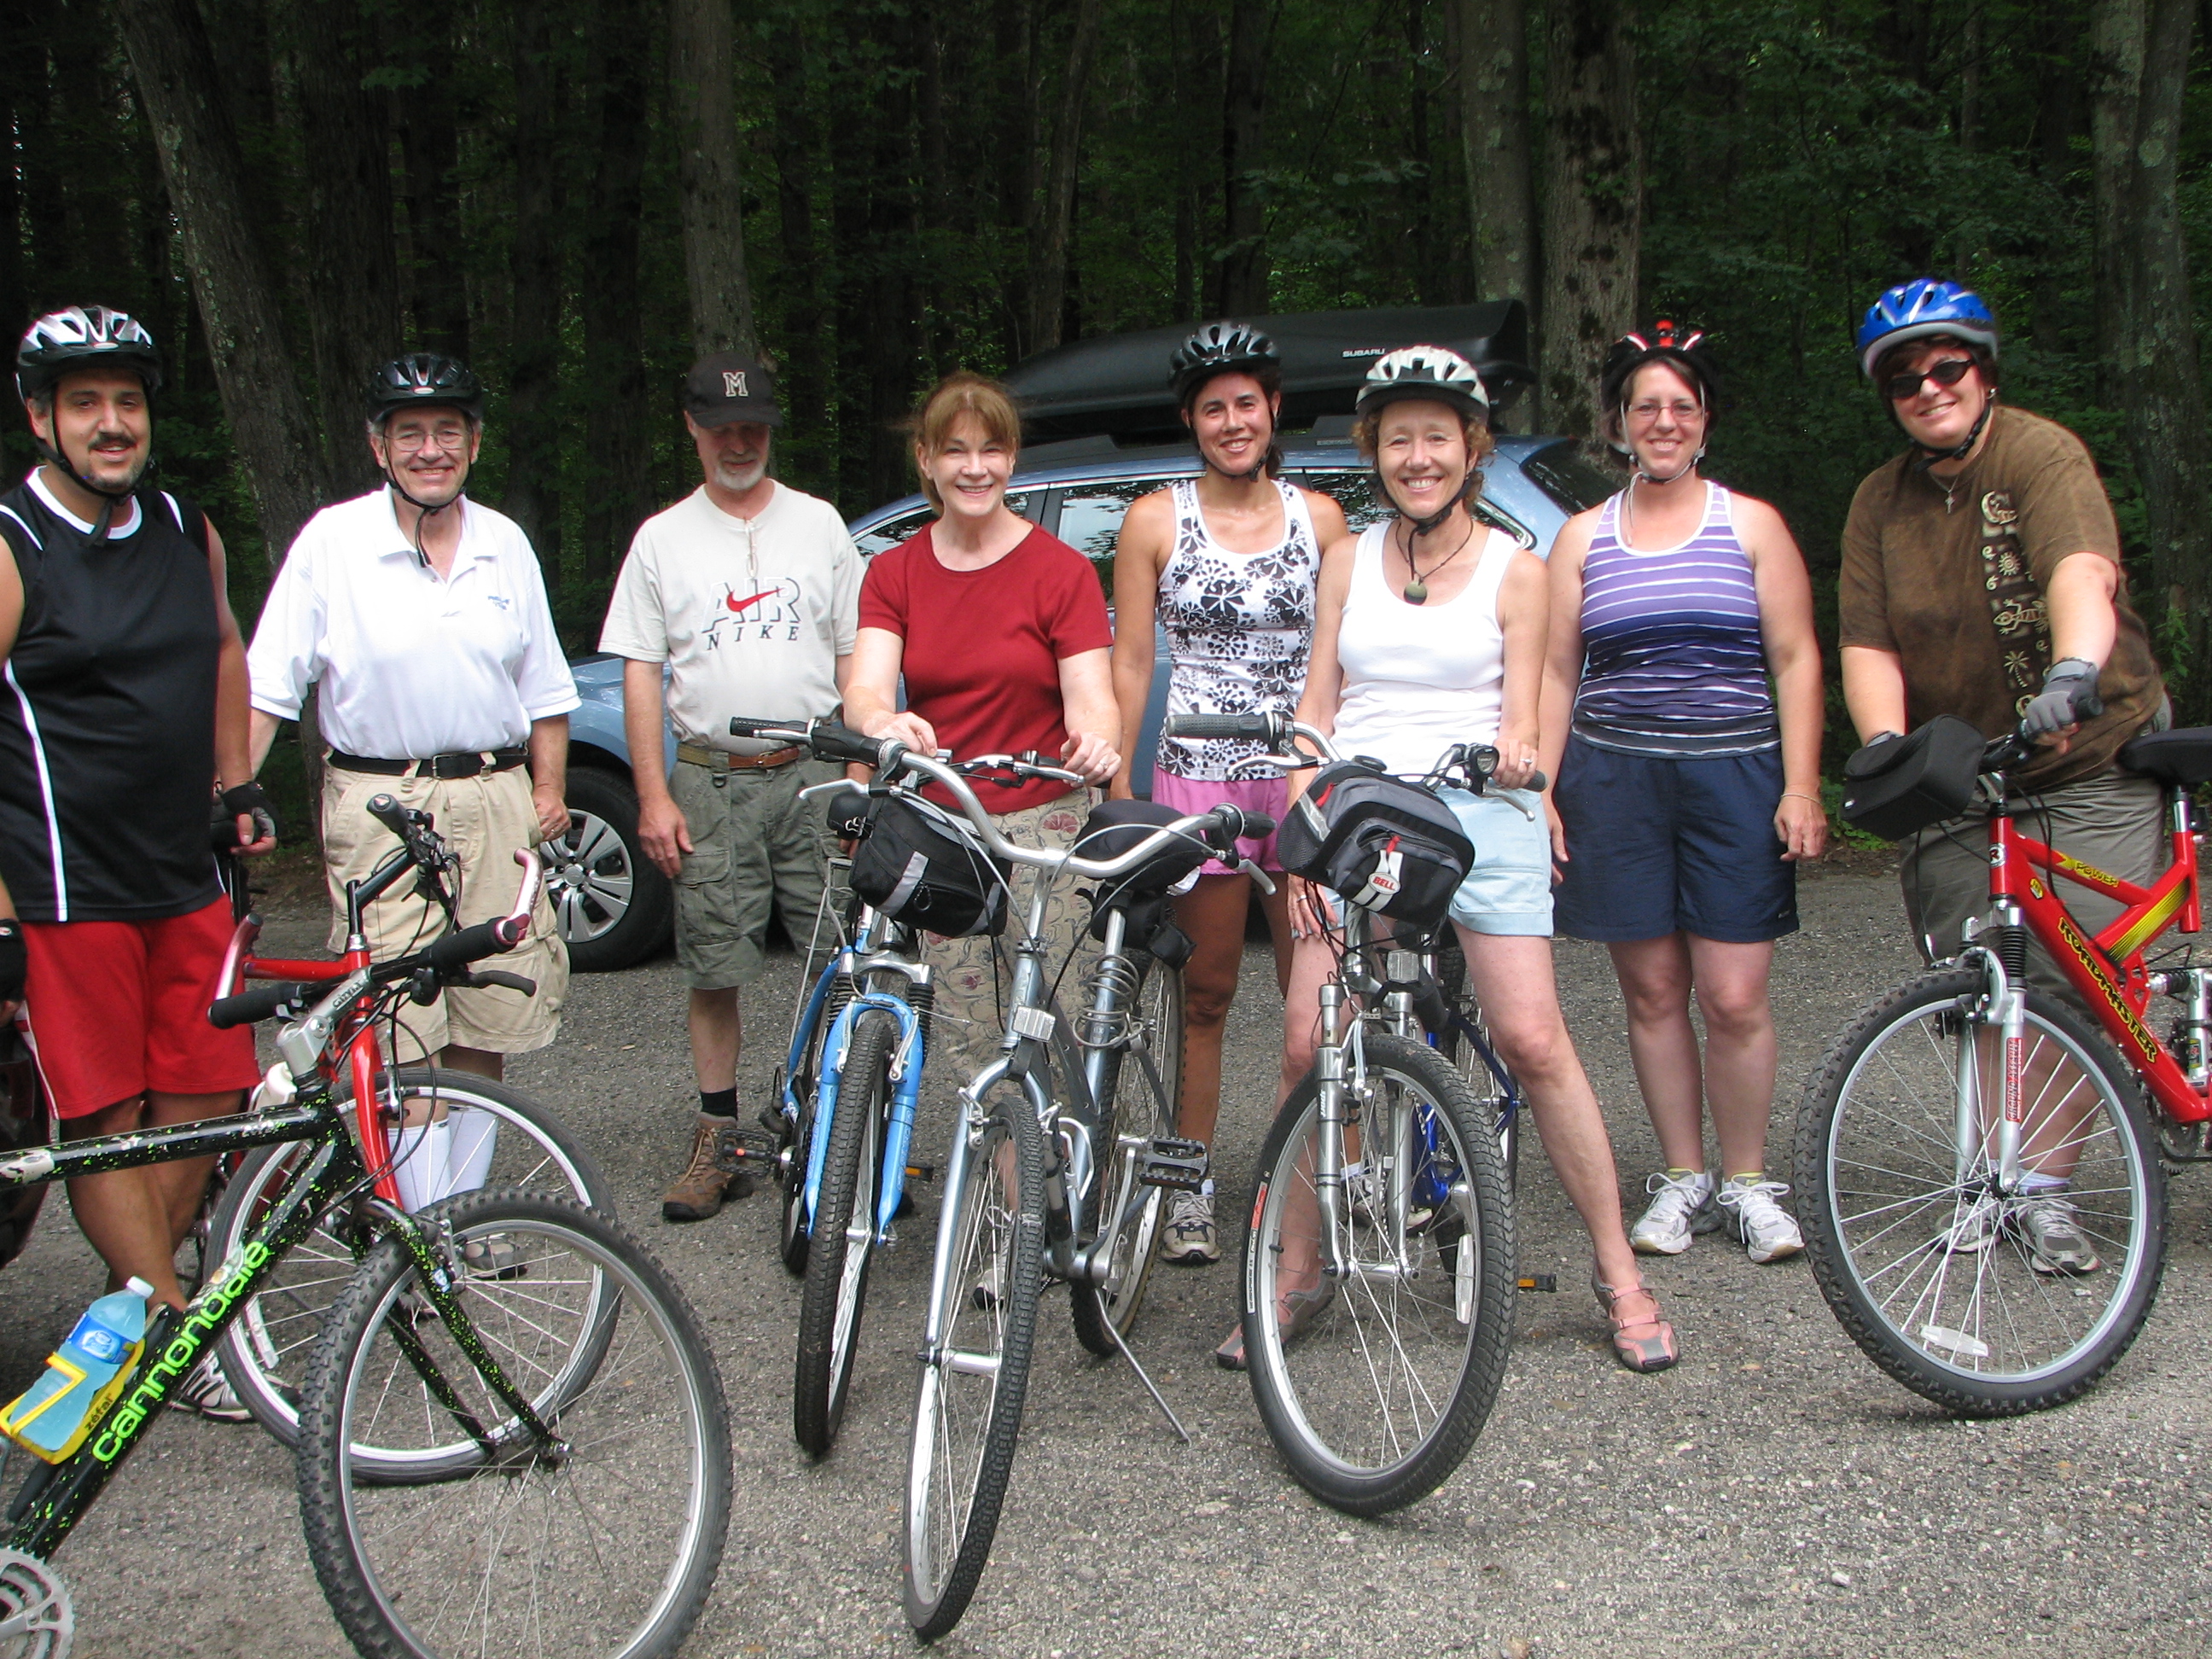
[(1653, 1348)]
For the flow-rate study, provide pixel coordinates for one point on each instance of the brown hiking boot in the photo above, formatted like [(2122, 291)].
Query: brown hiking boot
[(714, 1174)]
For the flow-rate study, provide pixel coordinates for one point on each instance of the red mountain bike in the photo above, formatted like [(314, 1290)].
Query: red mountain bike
[(1983, 1195)]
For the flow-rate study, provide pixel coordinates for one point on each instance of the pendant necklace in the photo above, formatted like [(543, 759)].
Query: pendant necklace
[(1416, 591)]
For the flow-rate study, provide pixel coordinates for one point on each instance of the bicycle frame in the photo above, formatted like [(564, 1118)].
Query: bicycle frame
[(2109, 970)]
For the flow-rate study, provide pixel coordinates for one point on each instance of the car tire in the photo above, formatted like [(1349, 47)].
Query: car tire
[(614, 908)]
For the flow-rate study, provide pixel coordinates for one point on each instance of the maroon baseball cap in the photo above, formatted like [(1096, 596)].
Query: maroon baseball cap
[(731, 386)]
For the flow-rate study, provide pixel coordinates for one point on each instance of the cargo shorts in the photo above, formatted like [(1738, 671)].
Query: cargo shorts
[(757, 848)]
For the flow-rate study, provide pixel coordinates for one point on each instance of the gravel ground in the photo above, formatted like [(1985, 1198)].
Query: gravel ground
[(1773, 1493)]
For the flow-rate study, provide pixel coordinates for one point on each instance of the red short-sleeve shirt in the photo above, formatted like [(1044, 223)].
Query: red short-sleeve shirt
[(983, 647)]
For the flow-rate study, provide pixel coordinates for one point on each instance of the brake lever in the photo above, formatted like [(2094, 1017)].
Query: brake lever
[(482, 977), (1260, 878)]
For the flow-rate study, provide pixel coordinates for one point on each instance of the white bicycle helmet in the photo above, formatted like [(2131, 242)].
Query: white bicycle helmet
[(1423, 371), (78, 336)]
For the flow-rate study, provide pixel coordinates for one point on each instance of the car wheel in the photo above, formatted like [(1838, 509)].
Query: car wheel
[(614, 906)]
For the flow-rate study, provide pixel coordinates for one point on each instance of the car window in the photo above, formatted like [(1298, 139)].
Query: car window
[(891, 532), (1562, 472), (1091, 518), (1363, 502)]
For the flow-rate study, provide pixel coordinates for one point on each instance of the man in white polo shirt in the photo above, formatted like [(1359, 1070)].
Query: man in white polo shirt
[(749, 591), (422, 616)]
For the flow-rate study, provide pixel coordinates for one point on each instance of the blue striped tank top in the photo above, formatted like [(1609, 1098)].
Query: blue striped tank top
[(1673, 663)]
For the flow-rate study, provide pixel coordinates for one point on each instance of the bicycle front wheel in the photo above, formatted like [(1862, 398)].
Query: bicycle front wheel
[(1373, 1379), (603, 1541), (265, 1352), (844, 1235), (1141, 1112), (974, 1363), (1950, 1282)]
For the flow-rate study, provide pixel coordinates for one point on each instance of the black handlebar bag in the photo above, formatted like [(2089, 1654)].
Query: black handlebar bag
[(1897, 788), (1382, 843), (915, 866)]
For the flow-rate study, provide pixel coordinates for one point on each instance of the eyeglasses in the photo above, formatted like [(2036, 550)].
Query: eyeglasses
[(1681, 409), (1898, 388), (452, 435)]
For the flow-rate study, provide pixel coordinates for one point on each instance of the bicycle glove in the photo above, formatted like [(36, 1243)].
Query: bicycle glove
[(2068, 697), (15, 960), (246, 798)]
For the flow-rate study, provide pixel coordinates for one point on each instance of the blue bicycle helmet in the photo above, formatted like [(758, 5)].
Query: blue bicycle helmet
[(1922, 307)]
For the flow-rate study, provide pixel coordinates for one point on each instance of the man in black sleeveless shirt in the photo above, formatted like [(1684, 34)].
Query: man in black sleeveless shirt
[(123, 716)]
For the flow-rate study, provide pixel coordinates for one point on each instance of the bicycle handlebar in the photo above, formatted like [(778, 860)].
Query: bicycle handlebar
[(1279, 733), (288, 997)]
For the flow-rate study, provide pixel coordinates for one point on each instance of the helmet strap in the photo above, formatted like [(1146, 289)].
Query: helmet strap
[(423, 509), (110, 496), (1430, 525), (1930, 457)]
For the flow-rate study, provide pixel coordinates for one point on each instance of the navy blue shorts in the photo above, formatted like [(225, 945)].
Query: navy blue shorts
[(1658, 845)]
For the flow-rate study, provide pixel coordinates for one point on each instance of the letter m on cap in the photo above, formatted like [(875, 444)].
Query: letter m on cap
[(733, 383)]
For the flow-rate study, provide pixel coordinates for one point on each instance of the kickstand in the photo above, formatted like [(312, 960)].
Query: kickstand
[(1151, 1388)]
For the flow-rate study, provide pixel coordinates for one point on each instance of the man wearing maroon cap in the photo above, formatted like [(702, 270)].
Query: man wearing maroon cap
[(747, 592)]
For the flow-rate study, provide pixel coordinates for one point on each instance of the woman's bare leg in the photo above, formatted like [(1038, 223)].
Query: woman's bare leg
[(1655, 988), (1739, 1047)]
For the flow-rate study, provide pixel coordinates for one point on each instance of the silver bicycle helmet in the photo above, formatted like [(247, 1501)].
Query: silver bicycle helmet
[(77, 337), (1423, 371)]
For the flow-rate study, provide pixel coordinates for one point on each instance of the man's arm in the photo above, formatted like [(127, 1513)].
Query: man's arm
[(11, 942), (548, 774), (660, 826), (234, 762)]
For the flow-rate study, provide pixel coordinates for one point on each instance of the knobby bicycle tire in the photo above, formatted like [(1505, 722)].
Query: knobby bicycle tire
[(793, 1238), (1924, 1261), (265, 1350), (1452, 1044), (414, 1572), (1136, 1251), (842, 1244), (1341, 1394), (954, 1492)]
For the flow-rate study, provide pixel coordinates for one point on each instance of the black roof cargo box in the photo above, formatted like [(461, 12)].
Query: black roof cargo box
[(1117, 384)]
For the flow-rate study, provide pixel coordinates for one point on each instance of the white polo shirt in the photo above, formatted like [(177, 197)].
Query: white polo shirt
[(751, 614), (411, 663)]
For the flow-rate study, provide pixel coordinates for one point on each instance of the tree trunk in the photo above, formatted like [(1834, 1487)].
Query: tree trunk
[(701, 77), (1494, 102), (893, 333), (807, 444), (175, 71), (429, 144), (1015, 50), (2146, 323), (1049, 242), (353, 266), (615, 428), (1593, 206), (1244, 269), (534, 262)]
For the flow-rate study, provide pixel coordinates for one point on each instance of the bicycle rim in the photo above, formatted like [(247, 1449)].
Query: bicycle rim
[(843, 1242), (267, 1350), (967, 1409), (1138, 1113), (1482, 1083), (606, 1547), (1930, 1265), (1374, 1393)]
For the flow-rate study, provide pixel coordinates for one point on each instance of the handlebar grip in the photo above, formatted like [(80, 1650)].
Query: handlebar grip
[(262, 1002), (387, 811), (751, 725), (1264, 727), (487, 939), (1238, 824), (1537, 781), (833, 742)]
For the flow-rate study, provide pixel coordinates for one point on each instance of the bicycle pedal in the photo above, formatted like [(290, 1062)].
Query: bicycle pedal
[(1178, 1164), (921, 1172), (1537, 1282)]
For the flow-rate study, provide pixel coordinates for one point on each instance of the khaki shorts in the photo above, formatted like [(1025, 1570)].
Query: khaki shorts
[(484, 819), (756, 846)]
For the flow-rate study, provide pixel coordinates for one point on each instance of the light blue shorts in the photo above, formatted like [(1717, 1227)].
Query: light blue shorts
[(1509, 889)]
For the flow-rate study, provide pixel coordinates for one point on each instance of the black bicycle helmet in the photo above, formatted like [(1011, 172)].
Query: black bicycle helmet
[(76, 336), (424, 377), (1223, 347), (1427, 371), (1688, 351)]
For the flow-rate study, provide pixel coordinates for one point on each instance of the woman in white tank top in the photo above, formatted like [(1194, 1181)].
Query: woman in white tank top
[(1429, 630), (1226, 563)]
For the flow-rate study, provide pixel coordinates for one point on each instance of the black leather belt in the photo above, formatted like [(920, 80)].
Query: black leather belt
[(465, 765)]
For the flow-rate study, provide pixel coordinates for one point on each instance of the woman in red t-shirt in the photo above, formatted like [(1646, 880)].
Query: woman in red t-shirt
[(1000, 633)]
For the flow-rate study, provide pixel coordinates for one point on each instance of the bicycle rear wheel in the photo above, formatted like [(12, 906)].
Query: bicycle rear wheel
[(976, 1362), (795, 1139), (1932, 1267), (266, 1351), (844, 1235), (1138, 1114), (604, 1544), (1483, 1081), (1374, 1384)]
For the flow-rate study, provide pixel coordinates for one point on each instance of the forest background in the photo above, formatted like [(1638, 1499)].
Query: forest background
[(578, 195)]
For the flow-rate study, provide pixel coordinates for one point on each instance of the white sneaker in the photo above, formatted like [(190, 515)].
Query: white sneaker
[(2055, 1243), (1749, 1207), (1189, 1239), (1975, 1230), (1684, 1207)]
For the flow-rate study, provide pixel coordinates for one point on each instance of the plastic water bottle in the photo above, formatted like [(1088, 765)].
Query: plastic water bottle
[(83, 1377)]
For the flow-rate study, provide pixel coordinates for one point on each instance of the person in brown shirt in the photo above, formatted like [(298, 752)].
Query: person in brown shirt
[(1981, 578)]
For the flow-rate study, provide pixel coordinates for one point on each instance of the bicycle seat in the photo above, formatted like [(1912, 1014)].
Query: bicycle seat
[(2180, 758)]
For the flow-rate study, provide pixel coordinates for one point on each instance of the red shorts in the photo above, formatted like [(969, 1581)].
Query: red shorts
[(117, 1008)]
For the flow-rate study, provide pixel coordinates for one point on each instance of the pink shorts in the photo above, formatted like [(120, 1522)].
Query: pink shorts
[(1268, 795)]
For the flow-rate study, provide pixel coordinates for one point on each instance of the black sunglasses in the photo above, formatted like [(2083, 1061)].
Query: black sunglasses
[(1949, 372)]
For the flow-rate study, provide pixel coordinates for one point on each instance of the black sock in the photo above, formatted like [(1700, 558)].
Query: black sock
[(718, 1103)]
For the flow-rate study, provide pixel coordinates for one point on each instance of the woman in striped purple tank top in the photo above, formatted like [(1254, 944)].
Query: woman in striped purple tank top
[(1682, 717)]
